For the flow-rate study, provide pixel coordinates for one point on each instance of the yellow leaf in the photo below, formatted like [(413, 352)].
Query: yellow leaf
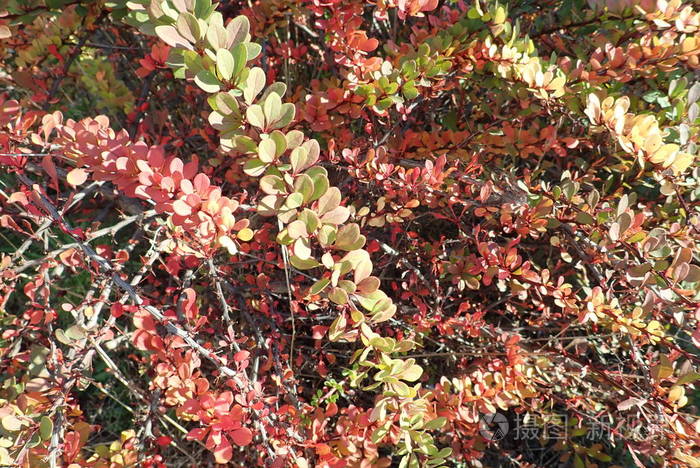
[(664, 153), (676, 393), (245, 234), (682, 162)]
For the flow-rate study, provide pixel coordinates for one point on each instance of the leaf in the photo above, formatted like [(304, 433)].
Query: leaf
[(303, 264), (584, 218), (302, 249), (437, 423), (240, 58), (181, 208), (216, 36), (254, 167), (666, 152), (285, 115), (45, 428), (295, 200), (245, 234), (338, 296), (256, 116), (321, 185), (319, 286), (224, 64), (188, 27), (629, 403), (267, 150), (77, 176), (347, 237), (297, 229), (272, 107), (242, 436), (223, 451), (305, 186), (268, 205), (688, 378), (271, 184), (170, 36), (253, 84), (75, 332), (238, 30), (412, 374), (252, 50), (499, 16), (226, 104), (337, 328), (297, 159), (329, 201), (207, 81), (682, 162), (11, 423), (310, 220)]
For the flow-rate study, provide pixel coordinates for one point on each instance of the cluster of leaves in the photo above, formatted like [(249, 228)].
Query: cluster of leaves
[(333, 234)]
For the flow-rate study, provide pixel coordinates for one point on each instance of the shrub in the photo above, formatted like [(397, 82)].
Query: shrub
[(413, 233)]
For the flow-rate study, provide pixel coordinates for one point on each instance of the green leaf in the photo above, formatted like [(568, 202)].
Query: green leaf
[(338, 296), (409, 90), (303, 264), (295, 200), (309, 219), (207, 81), (436, 423), (241, 57), (45, 428), (584, 218), (319, 286), (201, 8), (254, 167), (305, 186), (321, 185)]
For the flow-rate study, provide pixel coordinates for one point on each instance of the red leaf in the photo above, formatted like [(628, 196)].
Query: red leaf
[(223, 452), (241, 356), (198, 433), (242, 436)]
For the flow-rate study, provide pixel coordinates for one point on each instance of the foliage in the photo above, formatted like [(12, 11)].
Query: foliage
[(280, 233)]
